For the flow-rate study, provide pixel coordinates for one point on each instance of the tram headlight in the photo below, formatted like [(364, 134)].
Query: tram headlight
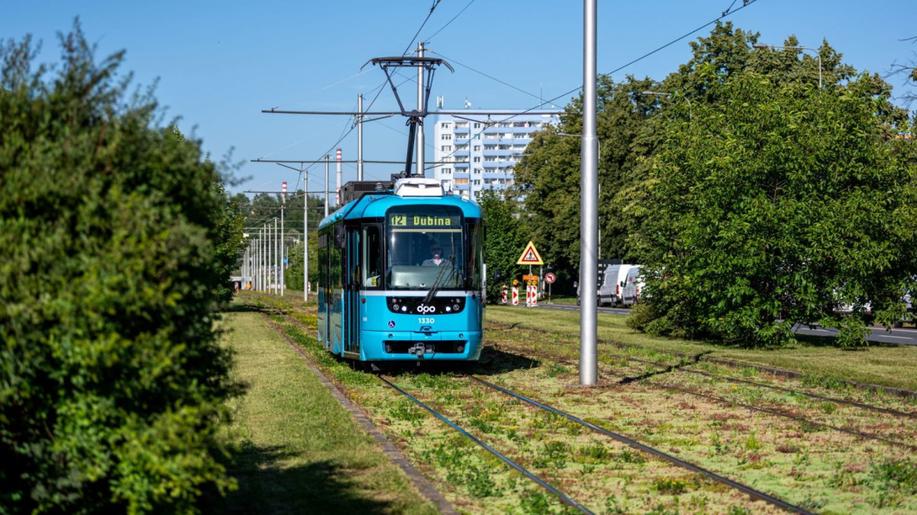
[(404, 308), (395, 307)]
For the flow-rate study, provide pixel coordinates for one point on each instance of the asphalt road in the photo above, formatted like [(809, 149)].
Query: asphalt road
[(877, 334)]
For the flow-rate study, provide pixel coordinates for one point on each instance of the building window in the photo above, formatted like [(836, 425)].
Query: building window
[(477, 159), (477, 148), (446, 137), (444, 125), (446, 148), (477, 125), (447, 170)]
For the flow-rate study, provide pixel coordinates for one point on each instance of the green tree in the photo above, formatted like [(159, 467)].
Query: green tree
[(548, 175), (293, 273), (117, 238), (776, 203), (504, 240)]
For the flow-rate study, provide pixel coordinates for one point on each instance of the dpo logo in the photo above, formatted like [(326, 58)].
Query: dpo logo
[(426, 309)]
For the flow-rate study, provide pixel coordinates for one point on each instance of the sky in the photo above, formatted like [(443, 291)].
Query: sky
[(218, 64)]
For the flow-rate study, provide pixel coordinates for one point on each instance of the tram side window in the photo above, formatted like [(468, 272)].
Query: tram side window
[(372, 256), (336, 264), (323, 263), (474, 233)]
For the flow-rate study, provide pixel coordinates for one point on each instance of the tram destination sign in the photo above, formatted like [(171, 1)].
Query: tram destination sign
[(411, 221)]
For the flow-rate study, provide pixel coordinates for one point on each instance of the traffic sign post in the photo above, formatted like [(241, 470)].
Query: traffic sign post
[(549, 279)]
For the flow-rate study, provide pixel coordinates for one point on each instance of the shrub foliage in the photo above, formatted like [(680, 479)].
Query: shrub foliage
[(115, 248)]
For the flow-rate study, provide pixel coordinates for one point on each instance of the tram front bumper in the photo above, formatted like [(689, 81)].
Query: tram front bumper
[(417, 346)]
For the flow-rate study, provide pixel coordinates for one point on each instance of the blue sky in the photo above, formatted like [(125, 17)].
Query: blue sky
[(220, 63)]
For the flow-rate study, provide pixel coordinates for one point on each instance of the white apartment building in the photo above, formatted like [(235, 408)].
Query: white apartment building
[(478, 151)]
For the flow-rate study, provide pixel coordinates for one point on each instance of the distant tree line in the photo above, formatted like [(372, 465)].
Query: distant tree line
[(757, 186), (117, 240)]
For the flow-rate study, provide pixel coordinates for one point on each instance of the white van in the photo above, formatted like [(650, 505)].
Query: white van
[(612, 279), (633, 286)]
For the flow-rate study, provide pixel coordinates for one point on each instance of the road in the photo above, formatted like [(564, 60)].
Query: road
[(876, 335)]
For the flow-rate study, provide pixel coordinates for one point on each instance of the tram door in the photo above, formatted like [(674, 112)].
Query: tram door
[(352, 292)]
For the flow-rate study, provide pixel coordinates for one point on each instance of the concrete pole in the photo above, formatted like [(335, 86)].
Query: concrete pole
[(420, 140), (282, 254), (340, 175), (327, 180), (359, 138), (589, 201)]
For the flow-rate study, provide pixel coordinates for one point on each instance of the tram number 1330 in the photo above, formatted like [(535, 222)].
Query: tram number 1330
[(425, 320)]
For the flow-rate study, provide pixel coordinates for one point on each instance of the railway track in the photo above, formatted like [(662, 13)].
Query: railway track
[(635, 444), (563, 497), (566, 499), (759, 409), (691, 359)]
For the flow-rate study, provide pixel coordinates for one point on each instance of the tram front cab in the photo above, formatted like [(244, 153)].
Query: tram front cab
[(412, 281)]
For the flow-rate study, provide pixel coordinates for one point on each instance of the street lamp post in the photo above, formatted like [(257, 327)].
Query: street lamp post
[(814, 51)]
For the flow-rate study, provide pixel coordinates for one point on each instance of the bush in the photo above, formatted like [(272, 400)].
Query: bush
[(115, 247)]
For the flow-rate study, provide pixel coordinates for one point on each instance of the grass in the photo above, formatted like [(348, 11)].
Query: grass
[(887, 366), (812, 466), (296, 449)]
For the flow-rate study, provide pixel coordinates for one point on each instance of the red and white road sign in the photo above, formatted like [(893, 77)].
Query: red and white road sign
[(550, 277), (530, 256)]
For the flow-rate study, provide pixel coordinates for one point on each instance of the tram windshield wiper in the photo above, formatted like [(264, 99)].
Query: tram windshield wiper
[(438, 281)]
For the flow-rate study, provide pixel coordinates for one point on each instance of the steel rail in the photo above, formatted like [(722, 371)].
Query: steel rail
[(751, 492), (760, 409), (694, 359), (564, 498)]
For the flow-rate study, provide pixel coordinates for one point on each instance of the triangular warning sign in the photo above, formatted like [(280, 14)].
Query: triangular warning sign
[(530, 256)]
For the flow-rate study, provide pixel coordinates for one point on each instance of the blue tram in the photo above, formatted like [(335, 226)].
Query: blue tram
[(401, 276)]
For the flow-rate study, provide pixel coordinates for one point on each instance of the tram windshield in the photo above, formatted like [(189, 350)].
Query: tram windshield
[(426, 248)]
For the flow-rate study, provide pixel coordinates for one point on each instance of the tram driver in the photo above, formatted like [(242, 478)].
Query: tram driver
[(437, 259)]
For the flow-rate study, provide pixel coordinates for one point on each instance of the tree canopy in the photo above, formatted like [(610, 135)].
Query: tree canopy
[(759, 186)]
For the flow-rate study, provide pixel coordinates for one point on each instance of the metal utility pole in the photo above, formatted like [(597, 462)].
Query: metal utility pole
[(270, 258), (276, 277), (589, 180), (421, 106), (260, 252), (283, 203), (305, 237), (340, 175), (359, 138), (327, 179)]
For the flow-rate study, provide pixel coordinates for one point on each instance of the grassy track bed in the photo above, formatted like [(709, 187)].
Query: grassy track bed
[(601, 473), (888, 417), (822, 469), (882, 365), (826, 381), (803, 462), (296, 449)]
